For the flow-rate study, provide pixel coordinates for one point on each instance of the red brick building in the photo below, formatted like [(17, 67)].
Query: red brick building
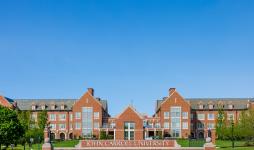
[(175, 116)]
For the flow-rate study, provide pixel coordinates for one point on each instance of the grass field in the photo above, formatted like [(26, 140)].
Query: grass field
[(68, 143), (221, 145)]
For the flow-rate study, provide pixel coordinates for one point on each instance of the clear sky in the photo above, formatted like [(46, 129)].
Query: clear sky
[(127, 50)]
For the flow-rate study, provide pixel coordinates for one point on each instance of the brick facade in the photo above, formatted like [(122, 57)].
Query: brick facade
[(174, 116)]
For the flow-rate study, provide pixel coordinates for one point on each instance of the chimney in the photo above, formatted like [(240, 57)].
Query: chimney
[(171, 90), (91, 91)]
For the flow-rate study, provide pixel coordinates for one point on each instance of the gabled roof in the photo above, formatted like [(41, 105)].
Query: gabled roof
[(133, 109)]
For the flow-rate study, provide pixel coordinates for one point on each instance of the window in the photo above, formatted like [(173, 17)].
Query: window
[(166, 125), (96, 115), (33, 107), (96, 125), (112, 125), (53, 107), (210, 125), (175, 132), (185, 125), (230, 106), (43, 107), (52, 117), (210, 116), (62, 126), (230, 116), (185, 115), (53, 126), (62, 117), (144, 123), (175, 121), (78, 125), (62, 107), (70, 117), (200, 125), (210, 106), (175, 111), (87, 121), (201, 116), (201, 106), (157, 125), (129, 130), (70, 126), (166, 115), (150, 125), (78, 115)]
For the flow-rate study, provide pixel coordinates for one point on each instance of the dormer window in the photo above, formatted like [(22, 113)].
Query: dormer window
[(62, 107), (53, 107), (33, 107), (201, 106), (211, 106), (230, 106), (43, 107)]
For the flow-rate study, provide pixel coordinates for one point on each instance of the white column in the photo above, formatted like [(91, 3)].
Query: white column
[(114, 134), (145, 134)]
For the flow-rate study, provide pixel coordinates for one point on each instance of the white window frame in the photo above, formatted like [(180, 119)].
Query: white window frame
[(229, 116), (199, 117), (95, 125), (96, 115), (209, 124), (166, 125), (53, 126), (60, 126), (185, 117), (185, 125), (76, 125), (61, 117), (208, 116), (166, 115), (78, 116), (52, 118)]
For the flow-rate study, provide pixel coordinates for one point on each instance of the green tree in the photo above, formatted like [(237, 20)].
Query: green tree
[(246, 125), (10, 128), (42, 119), (221, 127)]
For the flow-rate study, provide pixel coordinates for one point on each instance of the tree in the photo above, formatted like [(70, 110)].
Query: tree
[(221, 123), (246, 125), (10, 128), (42, 119)]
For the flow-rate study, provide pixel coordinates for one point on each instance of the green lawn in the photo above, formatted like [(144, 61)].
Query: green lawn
[(221, 145), (227, 145), (68, 143)]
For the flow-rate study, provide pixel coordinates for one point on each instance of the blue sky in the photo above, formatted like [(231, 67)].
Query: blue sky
[(127, 50)]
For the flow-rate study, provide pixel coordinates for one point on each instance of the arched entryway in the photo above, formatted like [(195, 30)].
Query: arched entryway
[(62, 136), (71, 136), (52, 136), (201, 135)]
